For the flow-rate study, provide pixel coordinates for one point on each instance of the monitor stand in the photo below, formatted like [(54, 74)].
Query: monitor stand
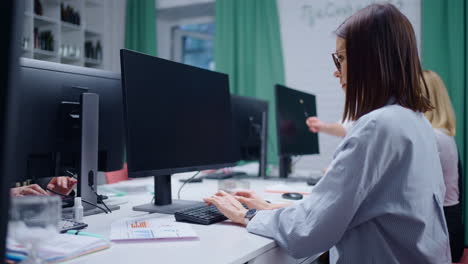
[(163, 202), (89, 116), (285, 166), (88, 120)]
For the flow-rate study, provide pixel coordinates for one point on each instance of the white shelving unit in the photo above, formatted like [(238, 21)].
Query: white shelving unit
[(68, 45)]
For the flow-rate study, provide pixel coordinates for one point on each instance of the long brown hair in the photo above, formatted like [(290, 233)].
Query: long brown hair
[(383, 62)]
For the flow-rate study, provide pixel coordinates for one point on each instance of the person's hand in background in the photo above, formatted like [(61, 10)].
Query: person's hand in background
[(32, 189), (63, 185), (315, 125)]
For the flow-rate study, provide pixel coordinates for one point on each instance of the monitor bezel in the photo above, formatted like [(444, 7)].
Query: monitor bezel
[(281, 152), (157, 172)]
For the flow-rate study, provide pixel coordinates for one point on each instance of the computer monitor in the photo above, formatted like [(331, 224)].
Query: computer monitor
[(177, 119), (251, 129), (293, 107), (11, 12), (53, 136)]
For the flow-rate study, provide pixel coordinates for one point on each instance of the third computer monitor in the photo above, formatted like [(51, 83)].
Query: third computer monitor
[(178, 119), (293, 107), (251, 129)]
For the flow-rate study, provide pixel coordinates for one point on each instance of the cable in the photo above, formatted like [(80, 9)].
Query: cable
[(66, 196), (296, 161), (95, 205), (189, 180), (100, 199), (105, 205)]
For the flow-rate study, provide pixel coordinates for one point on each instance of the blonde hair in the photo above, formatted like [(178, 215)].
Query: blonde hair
[(442, 116)]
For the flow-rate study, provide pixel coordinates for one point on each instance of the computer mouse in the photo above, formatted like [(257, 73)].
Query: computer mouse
[(292, 196)]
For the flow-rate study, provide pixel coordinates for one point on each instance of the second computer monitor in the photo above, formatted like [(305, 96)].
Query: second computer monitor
[(293, 107), (250, 124)]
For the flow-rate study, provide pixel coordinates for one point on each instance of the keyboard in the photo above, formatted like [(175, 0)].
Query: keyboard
[(222, 175), (204, 215), (70, 224)]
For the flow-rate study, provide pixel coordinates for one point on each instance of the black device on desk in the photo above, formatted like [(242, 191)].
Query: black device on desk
[(177, 119), (66, 224), (11, 19), (70, 122), (203, 215), (292, 196), (224, 175), (294, 137), (250, 132)]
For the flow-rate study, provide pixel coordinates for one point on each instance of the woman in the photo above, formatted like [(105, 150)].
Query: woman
[(381, 199), (442, 118)]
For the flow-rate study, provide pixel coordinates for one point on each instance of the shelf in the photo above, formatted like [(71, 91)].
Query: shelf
[(71, 27), (44, 53), (93, 3), (52, 2), (45, 21), (92, 13), (92, 33), (70, 59), (93, 62)]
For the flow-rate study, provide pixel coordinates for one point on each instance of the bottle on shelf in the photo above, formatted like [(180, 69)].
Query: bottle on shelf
[(43, 40), (69, 15), (38, 7), (36, 38), (98, 51), (93, 51), (62, 12)]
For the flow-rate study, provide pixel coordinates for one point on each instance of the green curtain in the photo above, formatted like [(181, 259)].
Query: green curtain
[(248, 48), (140, 26), (444, 50)]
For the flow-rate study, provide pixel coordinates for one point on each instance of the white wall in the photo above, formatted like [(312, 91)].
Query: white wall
[(307, 28), (115, 37)]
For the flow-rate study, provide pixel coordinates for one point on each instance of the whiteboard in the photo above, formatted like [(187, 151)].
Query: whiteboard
[(307, 37)]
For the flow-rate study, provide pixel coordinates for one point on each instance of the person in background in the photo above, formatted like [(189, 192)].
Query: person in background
[(63, 185), (442, 118), (381, 201), (337, 129)]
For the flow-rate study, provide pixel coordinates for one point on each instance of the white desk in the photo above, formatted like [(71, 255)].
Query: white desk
[(218, 243)]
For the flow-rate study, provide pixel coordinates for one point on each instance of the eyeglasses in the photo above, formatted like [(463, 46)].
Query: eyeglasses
[(337, 60)]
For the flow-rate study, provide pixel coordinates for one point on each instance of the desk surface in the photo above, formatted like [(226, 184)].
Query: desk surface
[(219, 243)]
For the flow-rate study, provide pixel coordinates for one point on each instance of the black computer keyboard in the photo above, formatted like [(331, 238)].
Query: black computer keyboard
[(70, 224), (204, 215)]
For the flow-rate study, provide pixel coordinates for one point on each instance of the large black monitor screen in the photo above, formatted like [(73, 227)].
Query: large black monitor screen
[(178, 117), (46, 88), (293, 107), (247, 114)]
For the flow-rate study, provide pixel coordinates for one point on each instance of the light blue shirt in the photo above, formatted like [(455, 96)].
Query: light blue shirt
[(381, 200)]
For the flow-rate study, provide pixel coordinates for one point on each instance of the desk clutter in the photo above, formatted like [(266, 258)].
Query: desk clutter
[(149, 228), (60, 248)]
